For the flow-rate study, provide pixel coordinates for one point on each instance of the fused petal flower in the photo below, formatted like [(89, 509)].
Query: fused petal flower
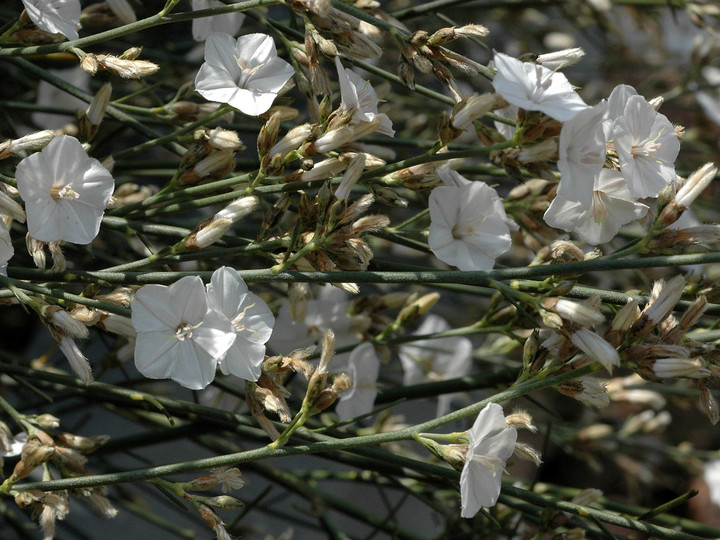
[(251, 319), (328, 312), (612, 206), (245, 73), (227, 23), (363, 367), (468, 229), (647, 146), (55, 16), (358, 94), (435, 359), (65, 192), (492, 442), (536, 88), (178, 337)]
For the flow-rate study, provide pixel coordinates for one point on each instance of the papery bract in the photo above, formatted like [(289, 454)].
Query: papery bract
[(55, 16), (227, 23), (468, 229), (65, 192), (245, 73), (491, 443), (646, 146), (363, 367), (536, 88), (611, 206), (178, 337), (251, 319)]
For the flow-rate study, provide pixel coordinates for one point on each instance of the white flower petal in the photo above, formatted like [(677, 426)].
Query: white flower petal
[(228, 23), (65, 192), (245, 73), (536, 88), (55, 16)]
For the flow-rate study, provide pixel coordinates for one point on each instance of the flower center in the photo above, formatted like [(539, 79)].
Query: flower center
[(63, 192), (490, 462), (237, 321), (647, 149), (184, 331), (245, 72)]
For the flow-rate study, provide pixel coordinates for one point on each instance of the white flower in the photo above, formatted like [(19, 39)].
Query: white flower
[(178, 337), (363, 367), (492, 442), (536, 88), (612, 206), (647, 146), (581, 151), (711, 475), (321, 315), (65, 192), (251, 319), (358, 94), (435, 359), (6, 248), (227, 23), (245, 73), (468, 229), (55, 16)]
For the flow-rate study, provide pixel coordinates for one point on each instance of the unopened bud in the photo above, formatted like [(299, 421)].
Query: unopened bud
[(224, 139)]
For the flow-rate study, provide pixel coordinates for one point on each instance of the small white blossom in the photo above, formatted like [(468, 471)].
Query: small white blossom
[(245, 73), (468, 229), (491, 443), (178, 337), (328, 311), (536, 88), (55, 16), (647, 146), (358, 95), (435, 359), (65, 192), (227, 23), (363, 367), (611, 207), (251, 319)]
